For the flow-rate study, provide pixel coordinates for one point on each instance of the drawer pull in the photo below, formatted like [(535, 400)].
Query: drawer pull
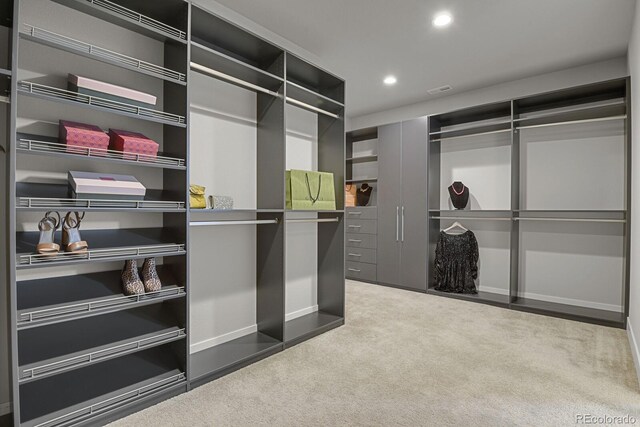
[(358, 255), (355, 241), (354, 213), (355, 226), (355, 269)]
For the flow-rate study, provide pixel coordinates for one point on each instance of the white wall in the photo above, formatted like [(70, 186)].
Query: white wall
[(541, 83), (634, 300)]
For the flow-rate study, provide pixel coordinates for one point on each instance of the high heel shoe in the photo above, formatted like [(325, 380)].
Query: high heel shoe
[(71, 239), (131, 283), (150, 276), (48, 227)]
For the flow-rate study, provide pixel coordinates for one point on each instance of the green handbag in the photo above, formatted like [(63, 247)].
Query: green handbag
[(310, 190)]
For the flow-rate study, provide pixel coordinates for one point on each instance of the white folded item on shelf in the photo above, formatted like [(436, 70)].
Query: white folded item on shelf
[(109, 91)]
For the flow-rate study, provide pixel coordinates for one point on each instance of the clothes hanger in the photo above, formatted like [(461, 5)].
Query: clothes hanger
[(455, 225)]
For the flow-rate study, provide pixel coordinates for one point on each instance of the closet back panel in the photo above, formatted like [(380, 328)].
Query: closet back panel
[(574, 167), (572, 263), (483, 164), (301, 239)]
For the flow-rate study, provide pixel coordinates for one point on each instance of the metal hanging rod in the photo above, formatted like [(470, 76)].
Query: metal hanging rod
[(311, 107), (216, 73), (234, 222), (471, 135), (573, 219), (471, 218), (571, 122), (314, 220)]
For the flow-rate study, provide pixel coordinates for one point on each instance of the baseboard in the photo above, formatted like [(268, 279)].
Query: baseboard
[(498, 291), (635, 352), (571, 301), (221, 339), (300, 313), (5, 408)]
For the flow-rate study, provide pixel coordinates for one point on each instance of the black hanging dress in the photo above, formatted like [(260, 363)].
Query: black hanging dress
[(456, 264)]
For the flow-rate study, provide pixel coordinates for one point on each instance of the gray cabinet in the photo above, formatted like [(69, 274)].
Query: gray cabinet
[(402, 204), (360, 250)]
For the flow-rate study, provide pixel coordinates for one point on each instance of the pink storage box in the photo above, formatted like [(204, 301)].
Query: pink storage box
[(79, 137), (132, 142)]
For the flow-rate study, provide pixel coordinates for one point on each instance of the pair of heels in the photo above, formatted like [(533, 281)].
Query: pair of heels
[(131, 282), (71, 240)]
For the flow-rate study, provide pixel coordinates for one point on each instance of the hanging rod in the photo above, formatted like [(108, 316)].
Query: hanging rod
[(235, 222), (471, 217), (471, 135), (215, 73), (314, 220), (5, 100), (571, 122), (311, 107), (573, 219)]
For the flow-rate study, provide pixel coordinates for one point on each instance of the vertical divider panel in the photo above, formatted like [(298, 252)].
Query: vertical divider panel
[(331, 153), (514, 272), (270, 276), (331, 265), (628, 148), (433, 195)]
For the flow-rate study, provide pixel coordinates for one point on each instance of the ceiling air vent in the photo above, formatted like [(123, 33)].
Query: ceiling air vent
[(439, 90)]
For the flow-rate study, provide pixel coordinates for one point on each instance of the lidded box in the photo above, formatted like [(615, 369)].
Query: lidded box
[(105, 186), (80, 136), (132, 142)]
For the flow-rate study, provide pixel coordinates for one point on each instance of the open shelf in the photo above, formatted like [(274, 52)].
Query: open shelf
[(34, 196), (86, 393), (363, 159), (232, 70), (353, 181), (571, 312), (53, 349), (475, 131), (313, 101), (118, 14), (219, 360), (490, 298), (104, 245), (49, 146), (470, 214), (60, 299), (318, 83), (566, 215), (5, 72), (73, 98), (307, 326), (584, 114), (58, 41)]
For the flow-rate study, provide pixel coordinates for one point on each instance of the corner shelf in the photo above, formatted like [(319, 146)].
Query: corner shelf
[(73, 98), (58, 41), (48, 146), (60, 299), (38, 197), (310, 325), (127, 18)]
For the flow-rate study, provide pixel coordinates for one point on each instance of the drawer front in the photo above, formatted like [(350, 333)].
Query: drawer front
[(366, 226), (361, 271), (361, 255), (365, 241), (362, 212)]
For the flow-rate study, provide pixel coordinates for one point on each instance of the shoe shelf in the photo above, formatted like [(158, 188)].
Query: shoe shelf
[(41, 145), (33, 196), (101, 389), (68, 44), (53, 349), (104, 246), (127, 18), (73, 98), (59, 299)]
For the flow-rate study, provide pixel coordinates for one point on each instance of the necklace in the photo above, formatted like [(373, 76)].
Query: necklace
[(453, 187)]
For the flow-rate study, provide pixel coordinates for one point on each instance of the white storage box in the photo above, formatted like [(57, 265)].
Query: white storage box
[(88, 185)]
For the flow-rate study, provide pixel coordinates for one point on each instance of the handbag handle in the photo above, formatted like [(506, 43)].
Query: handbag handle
[(313, 200)]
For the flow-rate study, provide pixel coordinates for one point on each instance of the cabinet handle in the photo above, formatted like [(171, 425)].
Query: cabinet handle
[(397, 227), (402, 225), (355, 269), (354, 213), (355, 226), (358, 255), (355, 241)]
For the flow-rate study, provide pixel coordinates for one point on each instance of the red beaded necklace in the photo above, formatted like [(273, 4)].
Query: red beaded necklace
[(453, 187)]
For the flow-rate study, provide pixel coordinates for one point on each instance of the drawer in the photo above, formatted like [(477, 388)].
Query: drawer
[(362, 212), (366, 241), (361, 271), (366, 226), (360, 255)]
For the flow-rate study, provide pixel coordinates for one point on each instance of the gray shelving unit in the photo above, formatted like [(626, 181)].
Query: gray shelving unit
[(112, 354), (601, 102)]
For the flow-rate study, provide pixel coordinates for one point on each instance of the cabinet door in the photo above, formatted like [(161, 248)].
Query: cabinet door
[(413, 211), (389, 183)]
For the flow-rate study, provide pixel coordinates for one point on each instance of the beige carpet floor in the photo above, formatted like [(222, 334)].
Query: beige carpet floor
[(409, 359)]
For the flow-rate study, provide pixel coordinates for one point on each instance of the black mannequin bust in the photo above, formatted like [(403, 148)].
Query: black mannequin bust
[(459, 194), (363, 194)]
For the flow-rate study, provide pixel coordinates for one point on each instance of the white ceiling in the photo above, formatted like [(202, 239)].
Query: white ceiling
[(490, 41)]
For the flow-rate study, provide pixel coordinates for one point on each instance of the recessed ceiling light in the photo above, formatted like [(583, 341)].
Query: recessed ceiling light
[(442, 19), (390, 80)]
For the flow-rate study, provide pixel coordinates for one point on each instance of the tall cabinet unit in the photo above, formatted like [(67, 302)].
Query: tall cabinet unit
[(82, 351), (402, 204)]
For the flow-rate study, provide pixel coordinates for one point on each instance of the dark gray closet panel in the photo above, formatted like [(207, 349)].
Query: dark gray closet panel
[(389, 200), (413, 210)]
